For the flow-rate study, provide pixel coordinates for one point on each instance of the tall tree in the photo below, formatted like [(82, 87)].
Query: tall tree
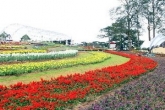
[(118, 32), (129, 9), (157, 14), (114, 31), (134, 12), (145, 9), (106, 32), (153, 11)]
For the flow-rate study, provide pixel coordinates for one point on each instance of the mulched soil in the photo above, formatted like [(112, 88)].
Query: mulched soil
[(153, 84)]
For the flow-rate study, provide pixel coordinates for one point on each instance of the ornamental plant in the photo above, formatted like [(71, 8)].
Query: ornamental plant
[(12, 47), (36, 56), (66, 91), (145, 93), (23, 51), (28, 67)]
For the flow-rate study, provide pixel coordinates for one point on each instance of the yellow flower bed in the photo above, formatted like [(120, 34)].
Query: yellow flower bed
[(23, 51), (12, 46), (29, 67)]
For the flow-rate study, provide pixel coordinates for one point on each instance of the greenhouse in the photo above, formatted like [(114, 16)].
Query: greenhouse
[(157, 41), (16, 31)]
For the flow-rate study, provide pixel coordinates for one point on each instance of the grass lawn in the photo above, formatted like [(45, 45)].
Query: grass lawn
[(26, 78)]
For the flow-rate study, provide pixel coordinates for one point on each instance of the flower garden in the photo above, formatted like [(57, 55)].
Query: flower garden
[(145, 93), (29, 67), (65, 92), (21, 56)]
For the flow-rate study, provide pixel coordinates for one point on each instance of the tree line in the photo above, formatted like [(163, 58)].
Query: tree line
[(131, 17)]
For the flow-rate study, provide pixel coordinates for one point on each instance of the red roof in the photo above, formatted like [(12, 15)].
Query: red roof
[(112, 43)]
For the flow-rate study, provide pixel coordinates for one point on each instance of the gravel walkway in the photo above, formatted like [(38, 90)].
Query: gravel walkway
[(145, 93)]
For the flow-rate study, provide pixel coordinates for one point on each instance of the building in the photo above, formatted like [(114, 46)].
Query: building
[(16, 32)]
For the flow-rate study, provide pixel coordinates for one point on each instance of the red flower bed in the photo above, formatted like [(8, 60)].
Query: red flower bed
[(66, 91)]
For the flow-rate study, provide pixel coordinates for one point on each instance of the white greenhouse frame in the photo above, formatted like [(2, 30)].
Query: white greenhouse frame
[(35, 34), (157, 41)]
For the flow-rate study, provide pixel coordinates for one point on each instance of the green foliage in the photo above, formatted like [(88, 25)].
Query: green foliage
[(26, 78), (29, 67), (3, 36), (36, 56), (130, 17), (118, 32), (25, 38)]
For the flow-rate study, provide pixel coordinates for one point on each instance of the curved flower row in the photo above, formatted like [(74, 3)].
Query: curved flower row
[(63, 92), (36, 56), (29, 67), (146, 93), (23, 51), (11, 47)]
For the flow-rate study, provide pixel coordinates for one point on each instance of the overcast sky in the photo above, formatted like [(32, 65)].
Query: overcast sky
[(80, 19)]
